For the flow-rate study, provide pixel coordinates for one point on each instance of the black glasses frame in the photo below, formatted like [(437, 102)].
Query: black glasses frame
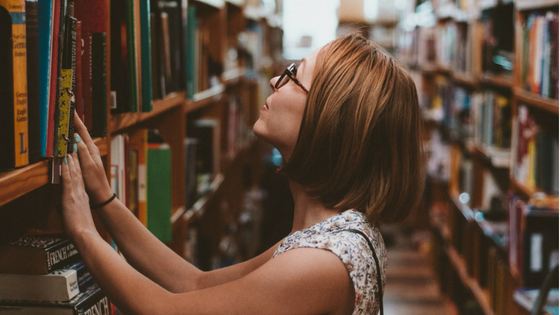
[(290, 73)]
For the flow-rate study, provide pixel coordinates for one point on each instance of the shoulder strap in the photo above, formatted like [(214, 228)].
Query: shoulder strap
[(379, 280)]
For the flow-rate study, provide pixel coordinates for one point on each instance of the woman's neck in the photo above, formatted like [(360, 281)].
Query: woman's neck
[(307, 211)]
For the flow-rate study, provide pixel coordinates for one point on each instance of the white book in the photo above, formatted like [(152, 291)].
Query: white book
[(58, 285)]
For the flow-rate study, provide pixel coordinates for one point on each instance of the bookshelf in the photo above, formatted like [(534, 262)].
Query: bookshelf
[(491, 64), (222, 75)]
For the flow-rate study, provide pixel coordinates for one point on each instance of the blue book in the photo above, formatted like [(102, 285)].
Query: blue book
[(45, 53)]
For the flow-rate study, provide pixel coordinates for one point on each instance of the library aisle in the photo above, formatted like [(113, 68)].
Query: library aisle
[(412, 287)]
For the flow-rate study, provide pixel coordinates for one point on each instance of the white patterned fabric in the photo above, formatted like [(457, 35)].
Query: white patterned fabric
[(352, 249)]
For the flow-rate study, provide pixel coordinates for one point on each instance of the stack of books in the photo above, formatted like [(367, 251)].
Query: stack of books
[(44, 274)]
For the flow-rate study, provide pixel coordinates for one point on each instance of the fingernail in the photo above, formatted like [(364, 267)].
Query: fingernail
[(75, 147), (77, 139), (66, 160)]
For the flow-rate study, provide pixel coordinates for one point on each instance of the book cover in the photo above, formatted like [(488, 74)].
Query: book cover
[(146, 55), (19, 152), (63, 117), (159, 190), (92, 301), (99, 85), (36, 254), (53, 86), (33, 106), (46, 40)]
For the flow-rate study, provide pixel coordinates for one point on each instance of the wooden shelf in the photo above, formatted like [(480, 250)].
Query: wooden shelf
[(482, 296), (535, 195), (122, 121), (19, 182), (502, 81), (205, 98), (534, 4), (536, 100), (237, 3), (465, 79)]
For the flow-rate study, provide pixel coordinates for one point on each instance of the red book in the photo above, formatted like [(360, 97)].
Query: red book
[(78, 75), (93, 14), (54, 76)]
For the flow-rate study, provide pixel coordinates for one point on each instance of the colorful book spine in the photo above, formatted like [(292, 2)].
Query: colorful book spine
[(46, 38), (16, 9), (146, 55), (159, 190)]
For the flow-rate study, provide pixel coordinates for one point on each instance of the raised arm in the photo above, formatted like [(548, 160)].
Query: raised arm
[(141, 248)]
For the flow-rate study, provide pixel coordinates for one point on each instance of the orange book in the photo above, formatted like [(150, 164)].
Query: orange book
[(138, 141), (16, 9)]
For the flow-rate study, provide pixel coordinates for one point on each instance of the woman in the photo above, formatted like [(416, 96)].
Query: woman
[(347, 124)]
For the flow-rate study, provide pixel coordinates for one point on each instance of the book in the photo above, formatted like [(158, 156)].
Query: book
[(99, 84), (37, 254), (159, 190), (191, 75), (79, 91), (86, 80), (146, 55), (53, 85), (92, 301), (189, 145), (138, 141), (33, 106), (57, 285), (123, 57), (14, 85), (208, 154), (46, 40)]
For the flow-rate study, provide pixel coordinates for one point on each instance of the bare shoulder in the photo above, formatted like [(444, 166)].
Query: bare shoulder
[(299, 281)]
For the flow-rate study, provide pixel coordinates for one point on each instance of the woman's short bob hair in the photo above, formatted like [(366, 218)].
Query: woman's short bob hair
[(359, 145)]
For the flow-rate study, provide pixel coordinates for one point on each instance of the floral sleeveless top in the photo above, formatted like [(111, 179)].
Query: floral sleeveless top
[(352, 249)]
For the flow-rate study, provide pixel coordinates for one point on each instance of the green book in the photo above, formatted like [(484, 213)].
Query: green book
[(191, 47), (146, 55), (159, 190)]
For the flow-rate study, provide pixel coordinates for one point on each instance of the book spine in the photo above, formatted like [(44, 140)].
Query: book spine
[(146, 55), (99, 85), (79, 94), (191, 48), (131, 48), (33, 106), (53, 77), (61, 255), (46, 8), (64, 112), (71, 43), (16, 9), (159, 191), (86, 80), (96, 303), (6, 89)]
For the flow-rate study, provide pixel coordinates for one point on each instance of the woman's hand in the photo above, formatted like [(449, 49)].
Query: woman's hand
[(76, 213), (94, 175)]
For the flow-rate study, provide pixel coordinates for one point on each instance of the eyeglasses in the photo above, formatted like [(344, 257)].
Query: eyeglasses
[(289, 74)]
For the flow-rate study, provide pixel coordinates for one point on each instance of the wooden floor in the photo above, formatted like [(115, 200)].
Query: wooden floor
[(411, 286)]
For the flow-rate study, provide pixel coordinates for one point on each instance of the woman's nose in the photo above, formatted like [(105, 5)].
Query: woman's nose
[(272, 83)]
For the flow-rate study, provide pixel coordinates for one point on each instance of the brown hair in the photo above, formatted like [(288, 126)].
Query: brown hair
[(359, 145)]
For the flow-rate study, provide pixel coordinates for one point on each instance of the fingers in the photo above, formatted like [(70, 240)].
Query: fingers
[(66, 177), (75, 170), (84, 134), (83, 152)]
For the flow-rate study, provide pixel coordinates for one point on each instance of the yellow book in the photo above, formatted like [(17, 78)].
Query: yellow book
[(16, 8), (64, 112)]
